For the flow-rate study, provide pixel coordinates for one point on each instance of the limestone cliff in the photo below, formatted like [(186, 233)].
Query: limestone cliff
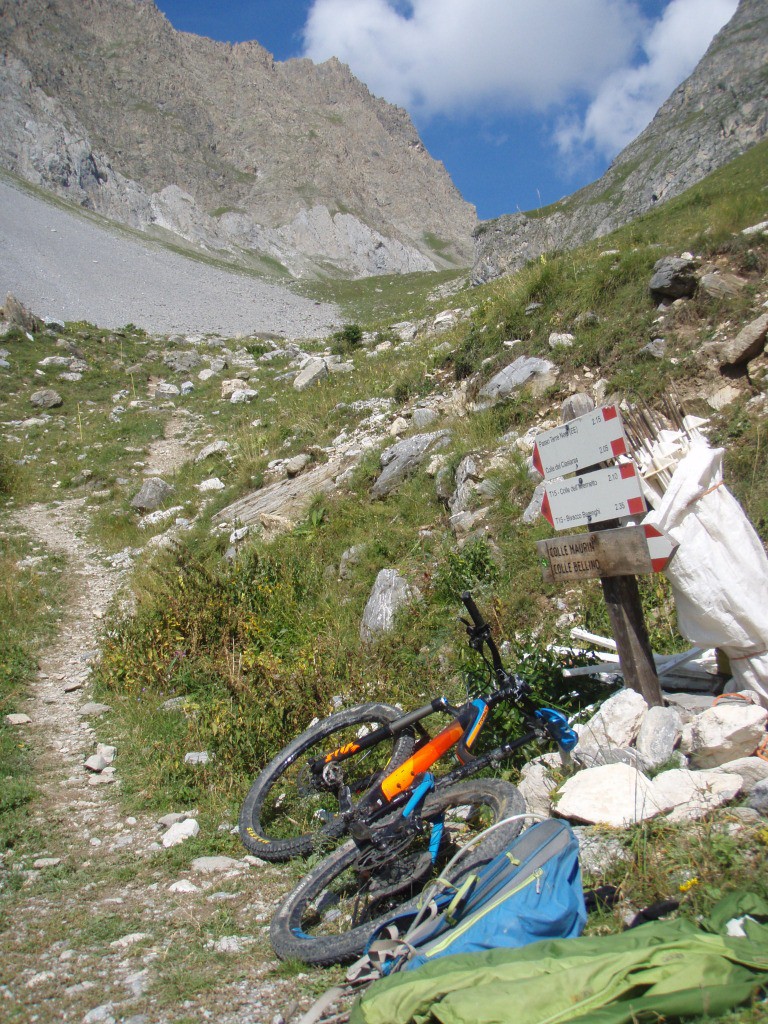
[(287, 163)]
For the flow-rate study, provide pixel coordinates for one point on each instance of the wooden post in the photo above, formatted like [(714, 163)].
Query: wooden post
[(622, 598)]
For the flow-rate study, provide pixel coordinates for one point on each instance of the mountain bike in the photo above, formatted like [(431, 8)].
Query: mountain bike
[(365, 773)]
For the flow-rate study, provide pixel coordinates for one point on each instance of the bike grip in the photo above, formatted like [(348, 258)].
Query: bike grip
[(473, 610)]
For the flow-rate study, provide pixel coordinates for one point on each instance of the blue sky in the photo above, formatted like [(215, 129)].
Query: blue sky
[(524, 101)]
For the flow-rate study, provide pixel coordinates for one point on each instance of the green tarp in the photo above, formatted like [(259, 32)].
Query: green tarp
[(669, 968)]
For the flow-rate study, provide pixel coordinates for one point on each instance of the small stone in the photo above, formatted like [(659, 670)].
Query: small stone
[(96, 763), (180, 832), (183, 885), (558, 340), (46, 862), (213, 865), (46, 398), (214, 448), (197, 757), (129, 940), (153, 493), (212, 484), (100, 1015), (758, 798), (106, 751), (73, 685), (18, 719), (94, 709)]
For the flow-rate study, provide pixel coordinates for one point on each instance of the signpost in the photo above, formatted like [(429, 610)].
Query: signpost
[(600, 495), (611, 493), (588, 556), (585, 441)]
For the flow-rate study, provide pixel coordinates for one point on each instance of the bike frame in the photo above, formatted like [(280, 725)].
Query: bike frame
[(398, 786)]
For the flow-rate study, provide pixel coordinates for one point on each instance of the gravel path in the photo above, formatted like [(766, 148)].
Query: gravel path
[(65, 266), (105, 929)]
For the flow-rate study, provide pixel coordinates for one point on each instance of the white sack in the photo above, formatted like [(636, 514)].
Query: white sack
[(719, 574)]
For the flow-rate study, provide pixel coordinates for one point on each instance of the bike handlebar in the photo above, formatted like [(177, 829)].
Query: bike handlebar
[(474, 611)]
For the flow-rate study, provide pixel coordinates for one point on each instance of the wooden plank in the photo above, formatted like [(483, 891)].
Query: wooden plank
[(587, 556), (584, 441)]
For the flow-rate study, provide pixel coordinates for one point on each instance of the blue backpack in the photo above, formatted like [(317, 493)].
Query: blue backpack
[(530, 891)]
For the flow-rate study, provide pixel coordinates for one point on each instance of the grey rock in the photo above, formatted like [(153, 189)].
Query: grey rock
[(691, 794), (314, 371), (243, 395), (467, 478), (164, 389), (758, 798), (96, 763), (673, 278), (17, 314), (180, 832), (390, 592), (658, 736), (46, 398), (576, 405), (181, 362), (404, 458), (723, 733), (751, 769), (530, 371), (423, 418), (214, 448), (747, 344), (197, 757), (215, 865), (533, 509), (560, 340), (612, 794), (18, 719), (655, 349), (154, 492), (616, 724), (298, 463), (173, 704), (721, 285), (173, 818)]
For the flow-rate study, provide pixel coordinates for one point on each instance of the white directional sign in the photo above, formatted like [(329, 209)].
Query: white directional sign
[(584, 441), (594, 497)]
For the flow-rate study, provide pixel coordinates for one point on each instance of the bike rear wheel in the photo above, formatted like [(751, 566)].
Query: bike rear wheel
[(331, 914), (286, 813)]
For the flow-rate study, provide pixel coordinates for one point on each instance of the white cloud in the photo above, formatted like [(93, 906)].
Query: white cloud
[(466, 56), (486, 58), (629, 97)]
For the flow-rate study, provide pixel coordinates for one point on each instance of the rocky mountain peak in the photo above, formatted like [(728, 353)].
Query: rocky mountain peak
[(289, 165), (718, 112)]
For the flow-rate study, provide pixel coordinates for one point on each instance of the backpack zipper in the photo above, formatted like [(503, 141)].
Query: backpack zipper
[(457, 932)]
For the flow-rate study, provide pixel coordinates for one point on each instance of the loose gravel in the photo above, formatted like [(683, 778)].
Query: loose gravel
[(67, 267)]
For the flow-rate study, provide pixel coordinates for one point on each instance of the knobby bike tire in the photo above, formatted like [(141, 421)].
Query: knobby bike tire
[(284, 816), (311, 924)]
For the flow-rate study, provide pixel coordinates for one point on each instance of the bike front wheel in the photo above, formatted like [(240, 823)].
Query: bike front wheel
[(332, 913), (288, 813)]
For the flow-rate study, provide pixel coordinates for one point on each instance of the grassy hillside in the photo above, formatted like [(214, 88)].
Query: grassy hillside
[(260, 644)]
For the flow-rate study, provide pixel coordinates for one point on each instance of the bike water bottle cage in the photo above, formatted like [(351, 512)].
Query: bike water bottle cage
[(474, 714), (557, 726)]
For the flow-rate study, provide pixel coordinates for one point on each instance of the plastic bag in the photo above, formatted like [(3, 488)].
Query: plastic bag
[(719, 574)]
